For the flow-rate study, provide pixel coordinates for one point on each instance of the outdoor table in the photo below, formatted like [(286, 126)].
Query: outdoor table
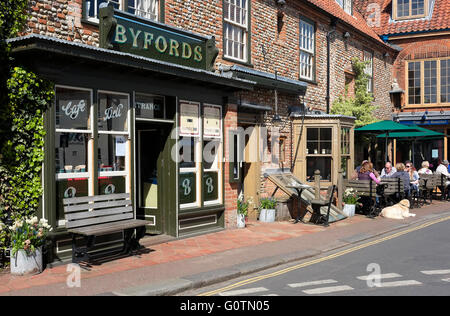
[(299, 188)]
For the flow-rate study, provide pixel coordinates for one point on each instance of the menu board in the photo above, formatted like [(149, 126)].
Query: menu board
[(211, 121), (189, 119)]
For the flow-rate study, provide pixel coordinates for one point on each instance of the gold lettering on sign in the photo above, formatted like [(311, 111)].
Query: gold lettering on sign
[(161, 40), (173, 50), (120, 34), (134, 36), (186, 50)]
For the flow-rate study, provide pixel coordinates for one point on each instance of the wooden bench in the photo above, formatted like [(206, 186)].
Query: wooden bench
[(440, 183), (317, 217), (427, 184), (389, 191), (92, 216)]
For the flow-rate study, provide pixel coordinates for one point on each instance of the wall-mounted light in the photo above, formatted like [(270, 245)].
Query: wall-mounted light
[(346, 35), (386, 55), (280, 2)]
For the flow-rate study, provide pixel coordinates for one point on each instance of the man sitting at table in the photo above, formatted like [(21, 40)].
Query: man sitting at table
[(388, 170), (443, 169)]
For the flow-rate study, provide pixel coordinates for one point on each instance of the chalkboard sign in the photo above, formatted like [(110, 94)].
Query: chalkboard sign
[(210, 186), (187, 188)]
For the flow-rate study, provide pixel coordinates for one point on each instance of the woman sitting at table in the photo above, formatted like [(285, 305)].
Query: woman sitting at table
[(367, 173)]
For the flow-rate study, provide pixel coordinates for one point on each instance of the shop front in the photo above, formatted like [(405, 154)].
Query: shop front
[(126, 123)]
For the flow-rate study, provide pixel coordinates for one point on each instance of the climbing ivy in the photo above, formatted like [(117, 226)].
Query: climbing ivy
[(361, 104)]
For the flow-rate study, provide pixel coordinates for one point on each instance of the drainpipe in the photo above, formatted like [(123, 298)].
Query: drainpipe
[(333, 30)]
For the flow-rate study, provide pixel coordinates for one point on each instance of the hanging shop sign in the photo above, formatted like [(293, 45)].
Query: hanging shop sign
[(211, 121), (128, 33), (189, 119)]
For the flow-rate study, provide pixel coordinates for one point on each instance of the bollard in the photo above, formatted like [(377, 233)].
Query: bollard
[(317, 185)]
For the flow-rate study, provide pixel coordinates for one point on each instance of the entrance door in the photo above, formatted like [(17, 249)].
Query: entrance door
[(150, 175), (251, 171)]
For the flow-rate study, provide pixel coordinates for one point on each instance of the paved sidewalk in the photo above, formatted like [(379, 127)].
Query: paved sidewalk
[(175, 266)]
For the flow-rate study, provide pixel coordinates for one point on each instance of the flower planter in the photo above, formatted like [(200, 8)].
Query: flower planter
[(349, 210), (240, 220), (267, 215), (24, 263)]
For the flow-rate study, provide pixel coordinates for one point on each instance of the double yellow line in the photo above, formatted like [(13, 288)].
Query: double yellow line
[(335, 255)]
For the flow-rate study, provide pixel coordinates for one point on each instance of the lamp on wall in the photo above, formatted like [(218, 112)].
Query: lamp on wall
[(280, 2)]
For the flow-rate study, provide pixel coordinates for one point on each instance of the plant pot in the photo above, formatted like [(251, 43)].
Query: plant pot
[(349, 210), (24, 263), (240, 220), (267, 215)]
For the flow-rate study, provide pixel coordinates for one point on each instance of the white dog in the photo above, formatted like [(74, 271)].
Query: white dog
[(397, 211)]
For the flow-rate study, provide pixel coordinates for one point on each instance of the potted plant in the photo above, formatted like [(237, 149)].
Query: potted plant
[(242, 212), (267, 210), (350, 198), (28, 235)]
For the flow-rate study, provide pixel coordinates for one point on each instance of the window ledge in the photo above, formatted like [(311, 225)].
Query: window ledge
[(237, 61)]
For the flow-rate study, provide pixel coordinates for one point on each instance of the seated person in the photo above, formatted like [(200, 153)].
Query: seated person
[(425, 168), (388, 170), (413, 177), (402, 174), (366, 172)]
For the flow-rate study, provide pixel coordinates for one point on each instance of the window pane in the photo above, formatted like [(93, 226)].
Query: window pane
[(69, 188), (323, 164), (414, 82), (71, 150), (147, 106), (111, 152), (187, 152), (211, 154), (111, 185), (187, 188), (445, 80), (430, 81), (112, 112), (72, 109), (210, 186)]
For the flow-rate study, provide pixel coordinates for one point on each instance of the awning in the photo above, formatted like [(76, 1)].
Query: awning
[(35, 47), (267, 80), (420, 133)]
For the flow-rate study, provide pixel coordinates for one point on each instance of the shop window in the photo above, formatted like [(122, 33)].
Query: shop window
[(318, 152), (345, 150), (113, 142), (149, 106), (236, 28), (73, 132), (211, 172)]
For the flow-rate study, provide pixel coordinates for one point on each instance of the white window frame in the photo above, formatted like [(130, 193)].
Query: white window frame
[(234, 24), (368, 70), (307, 49), (217, 165), (125, 173), (82, 175), (123, 5)]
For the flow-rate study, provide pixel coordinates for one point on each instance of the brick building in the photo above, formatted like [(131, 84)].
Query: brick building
[(274, 58), (420, 29)]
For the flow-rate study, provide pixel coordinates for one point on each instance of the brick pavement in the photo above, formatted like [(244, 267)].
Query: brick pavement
[(208, 252)]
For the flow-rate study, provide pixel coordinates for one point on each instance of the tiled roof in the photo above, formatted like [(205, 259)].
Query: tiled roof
[(437, 19), (356, 20)]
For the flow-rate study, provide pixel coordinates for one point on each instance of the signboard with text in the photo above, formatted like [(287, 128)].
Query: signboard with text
[(129, 33)]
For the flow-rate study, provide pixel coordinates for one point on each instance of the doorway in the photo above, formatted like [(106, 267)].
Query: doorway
[(152, 174)]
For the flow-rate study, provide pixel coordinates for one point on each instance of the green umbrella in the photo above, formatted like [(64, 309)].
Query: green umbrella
[(385, 127), (421, 133)]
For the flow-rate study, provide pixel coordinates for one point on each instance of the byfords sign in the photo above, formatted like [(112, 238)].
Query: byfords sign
[(128, 33)]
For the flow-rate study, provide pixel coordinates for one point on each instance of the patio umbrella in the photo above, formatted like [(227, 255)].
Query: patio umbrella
[(421, 133), (385, 127)]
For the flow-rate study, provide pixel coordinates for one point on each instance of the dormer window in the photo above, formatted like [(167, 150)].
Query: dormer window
[(346, 5), (409, 9)]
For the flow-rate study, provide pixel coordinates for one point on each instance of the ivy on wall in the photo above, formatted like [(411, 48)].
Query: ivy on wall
[(24, 97), (361, 104)]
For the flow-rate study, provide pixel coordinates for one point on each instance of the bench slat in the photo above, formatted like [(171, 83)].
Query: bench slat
[(93, 206), (98, 213), (106, 197), (109, 227), (98, 220)]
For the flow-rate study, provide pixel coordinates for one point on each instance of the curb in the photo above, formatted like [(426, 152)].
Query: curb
[(176, 286)]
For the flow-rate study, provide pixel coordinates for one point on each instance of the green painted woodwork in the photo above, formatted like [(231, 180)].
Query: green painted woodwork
[(128, 33)]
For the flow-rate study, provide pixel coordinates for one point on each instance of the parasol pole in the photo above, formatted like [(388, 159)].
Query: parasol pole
[(386, 148)]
